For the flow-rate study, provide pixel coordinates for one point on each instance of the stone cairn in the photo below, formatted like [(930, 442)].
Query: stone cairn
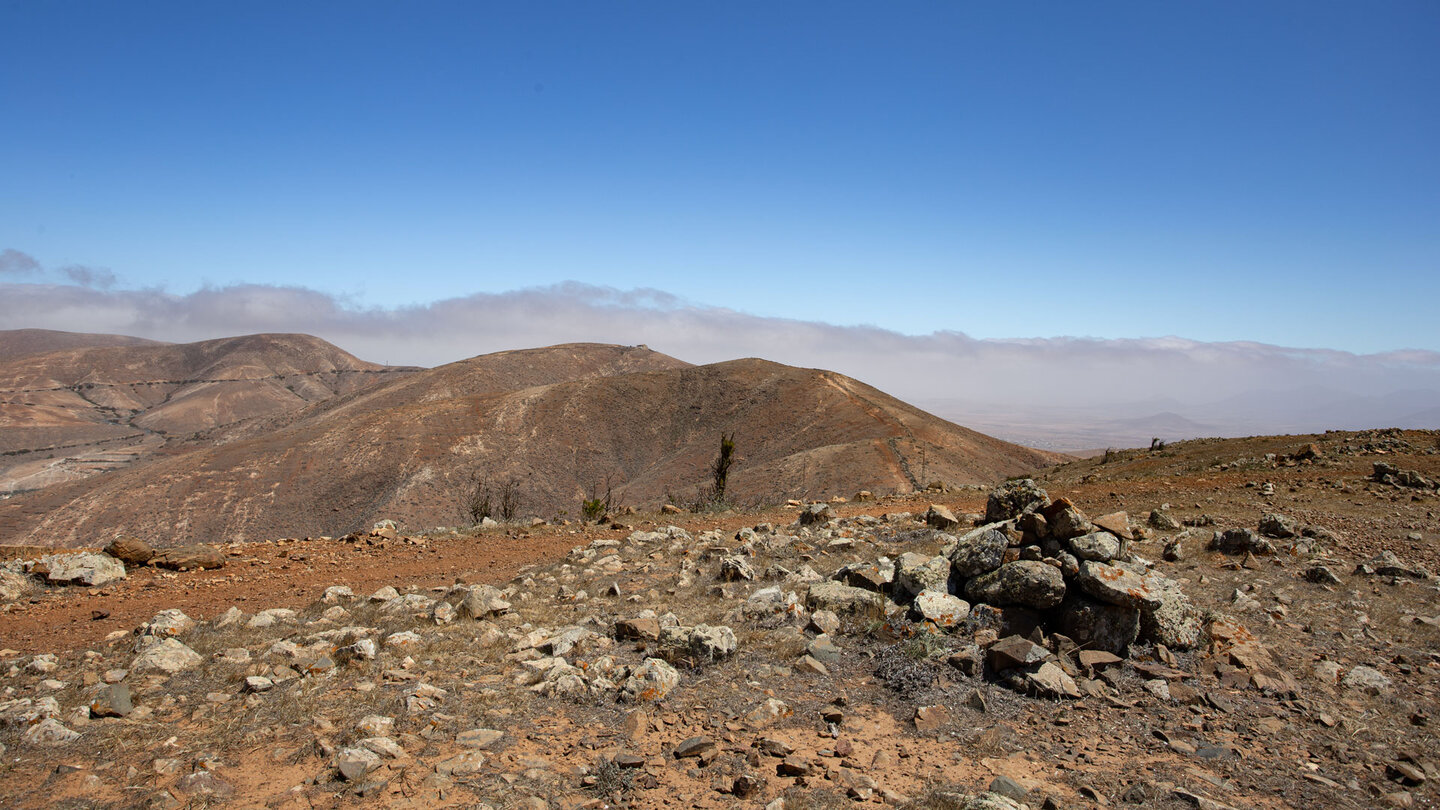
[(1047, 593)]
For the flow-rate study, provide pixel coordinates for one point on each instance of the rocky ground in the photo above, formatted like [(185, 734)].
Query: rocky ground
[(1239, 623)]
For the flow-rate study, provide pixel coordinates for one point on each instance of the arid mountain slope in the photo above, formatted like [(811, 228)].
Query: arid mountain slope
[(21, 342), (411, 450), (126, 401)]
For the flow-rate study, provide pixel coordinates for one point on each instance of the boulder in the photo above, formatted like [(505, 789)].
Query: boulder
[(980, 551), (482, 602), (1277, 526), (49, 732), (701, 642), (867, 575), (170, 622), (736, 569), (111, 700), (1049, 680), (1028, 583), (130, 550), (168, 656), (1163, 521), (1119, 584), (1240, 541), (940, 608), (941, 517), (189, 558), (1013, 499), (816, 513), (652, 680), (1096, 546), (1099, 626), (1065, 520), (1117, 523), (14, 586), (1171, 618), (834, 596), (1015, 652), (87, 568), (917, 572)]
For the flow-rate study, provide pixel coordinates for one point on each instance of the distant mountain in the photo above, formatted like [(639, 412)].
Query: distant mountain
[(21, 342), (558, 422), (68, 413)]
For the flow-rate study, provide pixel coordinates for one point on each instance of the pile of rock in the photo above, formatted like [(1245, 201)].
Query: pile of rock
[(1039, 570), (1390, 474)]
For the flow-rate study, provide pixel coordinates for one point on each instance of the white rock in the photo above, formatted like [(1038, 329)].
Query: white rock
[(168, 656)]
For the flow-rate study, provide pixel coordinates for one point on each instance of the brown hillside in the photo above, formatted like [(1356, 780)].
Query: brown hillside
[(71, 412), (410, 450), (21, 342)]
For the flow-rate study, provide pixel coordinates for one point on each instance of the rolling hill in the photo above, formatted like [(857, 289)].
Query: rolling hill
[(558, 422)]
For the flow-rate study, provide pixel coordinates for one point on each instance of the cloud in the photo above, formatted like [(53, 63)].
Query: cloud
[(1027, 381), (89, 276), (13, 262)]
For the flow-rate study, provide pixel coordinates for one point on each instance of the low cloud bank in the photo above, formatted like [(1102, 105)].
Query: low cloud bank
[(1235, 387)]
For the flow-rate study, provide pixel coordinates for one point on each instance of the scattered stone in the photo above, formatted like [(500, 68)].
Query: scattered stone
[(1320, 575), (694, 747), (1366, 679), (483, 601), (271, 617), (640, 628), (479, 737), (811, 665), (823, 649), (1386, 564), (736, 569), (255, 684), (49, 732), (354, 763), (931, 718), (824, 622)]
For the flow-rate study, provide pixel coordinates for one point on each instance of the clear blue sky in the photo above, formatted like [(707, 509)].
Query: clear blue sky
[(1220, 171)]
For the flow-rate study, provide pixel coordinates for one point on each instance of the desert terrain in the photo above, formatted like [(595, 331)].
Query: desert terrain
[(1276, 648)]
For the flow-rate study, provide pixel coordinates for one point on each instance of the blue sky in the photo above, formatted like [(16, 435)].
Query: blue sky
[(1225, 171)]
